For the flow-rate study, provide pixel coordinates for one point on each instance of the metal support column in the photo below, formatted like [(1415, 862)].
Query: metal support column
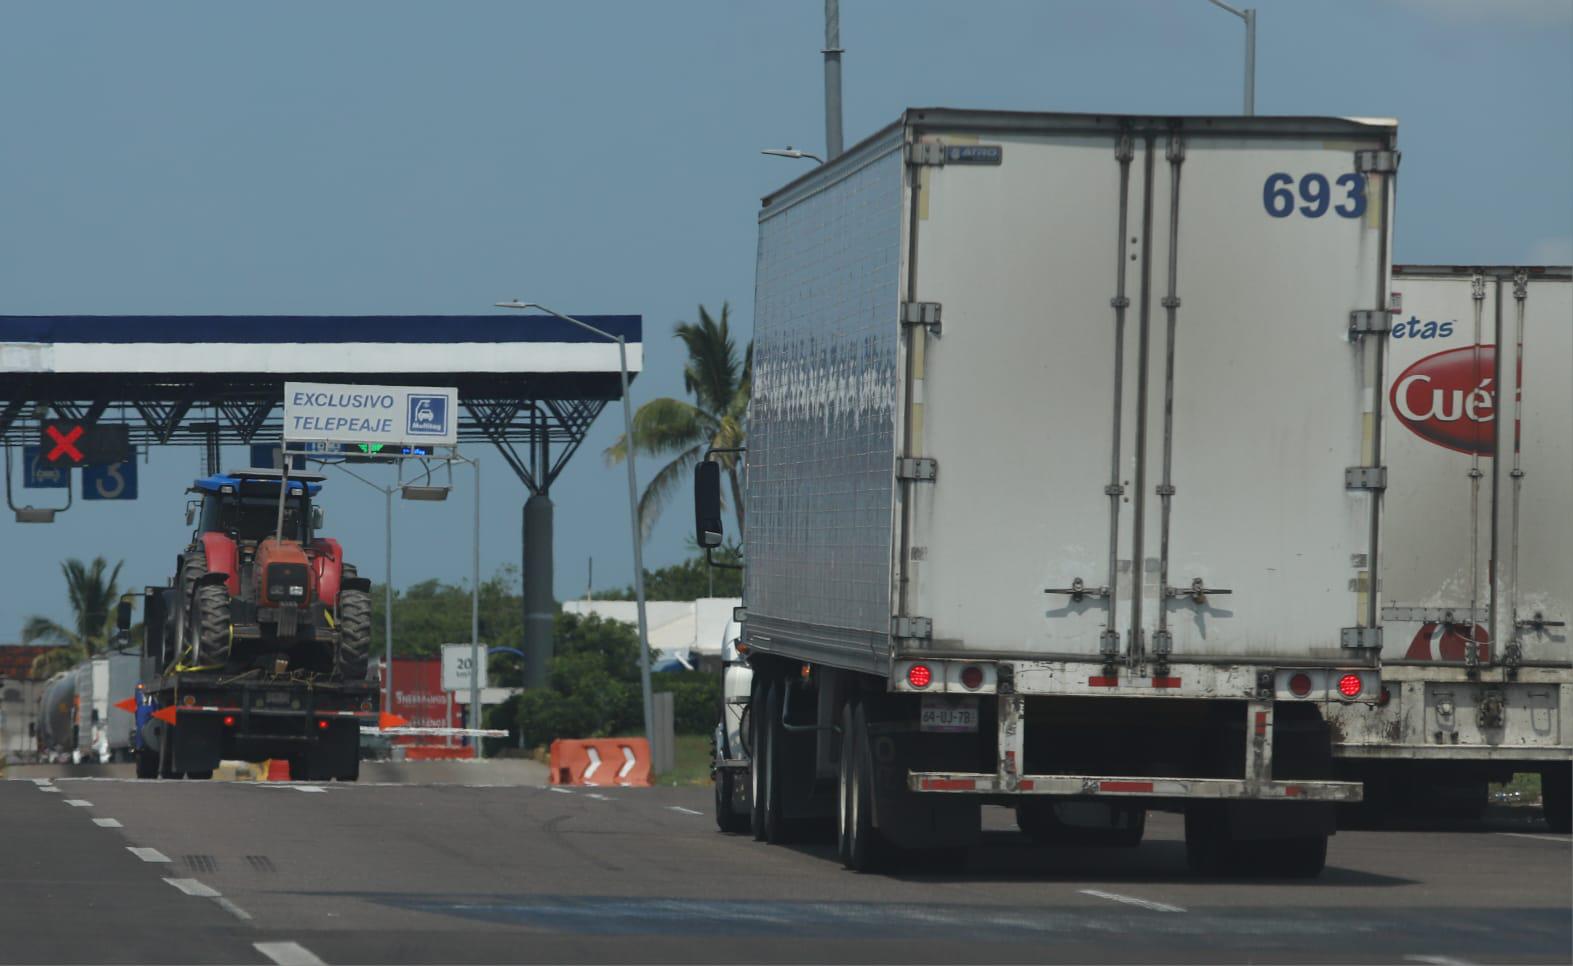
[(538, 599)]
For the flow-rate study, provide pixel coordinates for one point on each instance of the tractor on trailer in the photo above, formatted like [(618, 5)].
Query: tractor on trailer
[(258, 647), (1063, 483), (1477, 578)]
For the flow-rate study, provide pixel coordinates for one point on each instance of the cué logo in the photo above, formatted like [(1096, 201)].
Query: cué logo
[(1448, 399)]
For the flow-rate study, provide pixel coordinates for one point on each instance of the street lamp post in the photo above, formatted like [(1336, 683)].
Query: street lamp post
[(387, 585), (1249, 16), (633, 498)]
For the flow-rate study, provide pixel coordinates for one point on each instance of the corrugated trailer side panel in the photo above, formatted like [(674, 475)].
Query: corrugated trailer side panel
[(820, 442)]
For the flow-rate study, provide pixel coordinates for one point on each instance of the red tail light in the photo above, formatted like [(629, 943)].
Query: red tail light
[(919, 675), (229, 721), (322, 725), (972, 677), (1300, 685), (1349, 685)]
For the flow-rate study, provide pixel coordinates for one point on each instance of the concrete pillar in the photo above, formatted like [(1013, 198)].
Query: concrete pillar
[(539, 603)]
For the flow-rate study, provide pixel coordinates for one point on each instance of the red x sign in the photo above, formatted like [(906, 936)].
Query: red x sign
[(64, 443)]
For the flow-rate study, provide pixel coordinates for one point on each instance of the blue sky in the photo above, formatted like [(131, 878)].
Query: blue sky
[(601, 157)]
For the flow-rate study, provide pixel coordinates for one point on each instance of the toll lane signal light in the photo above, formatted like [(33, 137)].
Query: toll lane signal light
[(69, 442)]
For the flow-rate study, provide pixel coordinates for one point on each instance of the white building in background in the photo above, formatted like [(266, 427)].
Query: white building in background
[(683, 629)]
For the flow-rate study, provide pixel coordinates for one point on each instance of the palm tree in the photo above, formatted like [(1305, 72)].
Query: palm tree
[(93, 598), (720, 385)]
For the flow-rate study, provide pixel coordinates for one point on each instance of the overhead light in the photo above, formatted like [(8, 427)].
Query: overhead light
[(30, 514), (411, 491), (791, 152)]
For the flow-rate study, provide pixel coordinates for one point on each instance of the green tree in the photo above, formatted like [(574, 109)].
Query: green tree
[(689, 580), (432, 613), (720, 384), (92, 596)]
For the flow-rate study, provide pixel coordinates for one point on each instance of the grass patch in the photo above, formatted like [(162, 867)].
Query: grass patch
[(692, 767)]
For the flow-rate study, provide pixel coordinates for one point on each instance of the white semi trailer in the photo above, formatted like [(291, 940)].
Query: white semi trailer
[(1477, 571), (1063, 482)]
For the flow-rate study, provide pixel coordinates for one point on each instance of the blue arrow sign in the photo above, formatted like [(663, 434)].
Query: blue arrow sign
[(39, 475), (116, 481)]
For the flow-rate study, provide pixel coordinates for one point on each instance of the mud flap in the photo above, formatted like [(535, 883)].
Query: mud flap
[(913, 820), (198, 742)]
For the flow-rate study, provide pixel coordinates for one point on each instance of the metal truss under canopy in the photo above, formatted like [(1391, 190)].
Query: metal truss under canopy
[(531, 387)]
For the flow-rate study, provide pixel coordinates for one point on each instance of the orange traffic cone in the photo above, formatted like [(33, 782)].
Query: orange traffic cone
[(278, 770)]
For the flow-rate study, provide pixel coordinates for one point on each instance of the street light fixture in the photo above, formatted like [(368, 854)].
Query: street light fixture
[(1249, 16), (633, 493), (790, 152)]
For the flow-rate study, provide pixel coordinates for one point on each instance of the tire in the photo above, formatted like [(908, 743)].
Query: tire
[(844, 784), (866, 851), (727, 818), (1556, 795), (354, 620), (200, 776), (207, 613), (760, 751), (776, 828), (147, 763)]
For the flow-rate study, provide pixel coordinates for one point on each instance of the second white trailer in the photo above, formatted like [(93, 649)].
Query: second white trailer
[(1477, 569)]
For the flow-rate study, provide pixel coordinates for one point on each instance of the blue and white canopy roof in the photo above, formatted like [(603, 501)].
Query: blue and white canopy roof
[(370, 345)]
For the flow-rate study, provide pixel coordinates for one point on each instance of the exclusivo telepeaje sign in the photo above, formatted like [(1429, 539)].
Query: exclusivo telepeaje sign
[(330, 413)]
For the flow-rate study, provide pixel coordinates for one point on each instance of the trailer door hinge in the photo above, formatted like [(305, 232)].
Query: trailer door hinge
[(1361, 638), (1365, 478), (1376, 162), (921, 313), (912, 628), (1436, 615), (1369, 322), (920, 468)]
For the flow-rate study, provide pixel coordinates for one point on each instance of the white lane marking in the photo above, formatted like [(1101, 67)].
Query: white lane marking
[(107, 823), (1438, 960), (147, 855), (231, 908), (598, 797), (685, 811), (1546, 838), (40, 782), (288, 954), (78, 803), (562, 791), (192, 887), (47, 788), (309, 788), (1132, 900)]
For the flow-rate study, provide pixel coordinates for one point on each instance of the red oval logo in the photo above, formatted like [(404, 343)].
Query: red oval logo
[(1449, 399)]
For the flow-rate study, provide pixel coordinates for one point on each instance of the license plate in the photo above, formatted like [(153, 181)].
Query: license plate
[(945, 713)]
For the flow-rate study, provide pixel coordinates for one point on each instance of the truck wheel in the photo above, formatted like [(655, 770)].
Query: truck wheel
[(844, 785), (200, 776), (207, 629), (777, 831), (354, 634), (166, 757), (1209, 851), (1556, 796), (1301, 857), (727, 818), (866, 851), (147, 763), (760, 752)]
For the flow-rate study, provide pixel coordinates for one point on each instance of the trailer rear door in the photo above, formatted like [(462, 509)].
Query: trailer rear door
[(1144, 395)]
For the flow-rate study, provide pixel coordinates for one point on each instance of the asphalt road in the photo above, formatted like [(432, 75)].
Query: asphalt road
[(488, 870)]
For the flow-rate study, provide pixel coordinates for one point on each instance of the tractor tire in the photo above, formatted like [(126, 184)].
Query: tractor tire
[(206, 610), (354, 634), (147, 763)]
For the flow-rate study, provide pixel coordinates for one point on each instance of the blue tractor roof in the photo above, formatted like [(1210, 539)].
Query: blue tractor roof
[(256, 481)]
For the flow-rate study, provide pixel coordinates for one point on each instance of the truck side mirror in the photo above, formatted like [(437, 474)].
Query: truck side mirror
[(191, 512), (707, 504), (123, 615), (316, 518)]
